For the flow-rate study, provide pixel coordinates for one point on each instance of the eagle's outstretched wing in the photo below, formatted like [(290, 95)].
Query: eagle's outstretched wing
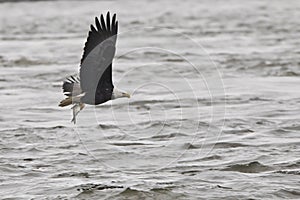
[(96, 62)]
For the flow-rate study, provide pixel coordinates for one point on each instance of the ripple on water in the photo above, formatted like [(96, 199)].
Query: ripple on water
[(252, 167), (154, 193), (292, 172), (24, 62)]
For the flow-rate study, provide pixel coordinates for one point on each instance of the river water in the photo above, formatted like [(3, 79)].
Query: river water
[(214, 109)]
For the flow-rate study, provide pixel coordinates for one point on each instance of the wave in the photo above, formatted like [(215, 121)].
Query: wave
[(30, 129), (168, 135), (24, 62), (207, 158), (153, 193), (92, 187), (72, 174), (252, 167), (293, 172), (130, 143), (230, 145), (264, 66), (285, 193)]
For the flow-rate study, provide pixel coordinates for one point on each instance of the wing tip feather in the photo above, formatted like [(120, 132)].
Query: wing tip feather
[(102, 29)]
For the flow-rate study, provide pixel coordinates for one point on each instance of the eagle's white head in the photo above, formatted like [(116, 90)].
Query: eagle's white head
[(119, 94)]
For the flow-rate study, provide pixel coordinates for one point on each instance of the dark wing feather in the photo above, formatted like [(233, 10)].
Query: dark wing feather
[(108, 22), (96, 62), (71, 86), (103, 24)]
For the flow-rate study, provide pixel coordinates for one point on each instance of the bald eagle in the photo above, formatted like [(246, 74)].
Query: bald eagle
[(94, 85)]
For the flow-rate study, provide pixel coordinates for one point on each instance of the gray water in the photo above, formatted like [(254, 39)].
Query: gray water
[(214, 111)]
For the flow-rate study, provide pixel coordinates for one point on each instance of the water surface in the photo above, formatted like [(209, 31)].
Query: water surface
[(214, 111)]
